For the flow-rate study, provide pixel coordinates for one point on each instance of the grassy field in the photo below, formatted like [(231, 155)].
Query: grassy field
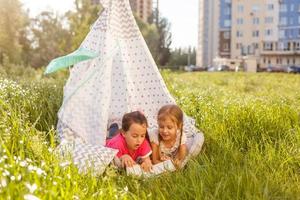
[(251, 124)]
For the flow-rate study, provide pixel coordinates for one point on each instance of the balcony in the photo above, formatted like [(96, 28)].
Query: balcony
[(277, 48)]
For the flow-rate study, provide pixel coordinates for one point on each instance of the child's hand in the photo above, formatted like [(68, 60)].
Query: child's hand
[(146, 165), (164, 158), (177, 162), (127, 161)]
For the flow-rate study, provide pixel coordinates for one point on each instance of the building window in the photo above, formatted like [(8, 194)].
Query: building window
[(268, 46), (240, 8), (255, 34), (280, 46), (292, 7), (297, 46), (283, 8), (298, 19), (283, 21), (255, 8), (225, 47), (227, 11), (255, 20), (288, 61), (269, 20), (226, 35), (227, 22), (268, 32), (281, 33), (239, 34), (287, 33), (286, 46), (240, 21), (291, 21), (270, 7)]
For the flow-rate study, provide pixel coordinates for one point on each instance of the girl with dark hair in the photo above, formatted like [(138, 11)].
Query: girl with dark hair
[(131, 141)]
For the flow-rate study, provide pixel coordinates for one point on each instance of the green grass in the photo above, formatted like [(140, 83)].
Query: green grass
[(251, 124)]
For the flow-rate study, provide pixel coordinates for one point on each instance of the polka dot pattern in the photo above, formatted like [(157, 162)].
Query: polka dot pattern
[(122, 79)]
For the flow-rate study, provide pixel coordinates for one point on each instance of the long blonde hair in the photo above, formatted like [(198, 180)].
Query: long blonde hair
[(173, 112)]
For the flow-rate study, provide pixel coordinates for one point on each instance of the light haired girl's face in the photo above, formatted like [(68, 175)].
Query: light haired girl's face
[(167, 129)]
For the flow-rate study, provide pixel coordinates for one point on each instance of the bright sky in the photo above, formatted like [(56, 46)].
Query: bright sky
[(182, 14)]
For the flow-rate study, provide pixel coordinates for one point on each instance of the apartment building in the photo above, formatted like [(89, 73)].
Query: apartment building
[(256, 33), (208, 36), (142, 8), (285, 50)]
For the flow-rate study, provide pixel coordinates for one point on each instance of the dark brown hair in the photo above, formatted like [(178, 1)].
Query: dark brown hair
[(134, 117)]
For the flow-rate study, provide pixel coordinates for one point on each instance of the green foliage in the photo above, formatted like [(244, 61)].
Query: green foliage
[(150, 34), (165, 39), (182, 57), (251, 124), (12, 24), (81, 20), (50, 38)]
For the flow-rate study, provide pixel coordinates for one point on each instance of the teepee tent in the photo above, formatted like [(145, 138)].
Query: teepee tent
[(122, 78)]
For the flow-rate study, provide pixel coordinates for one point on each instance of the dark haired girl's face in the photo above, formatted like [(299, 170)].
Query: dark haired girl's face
[(135, 136)]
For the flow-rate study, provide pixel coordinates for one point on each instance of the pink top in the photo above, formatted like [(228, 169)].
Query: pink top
[(118, 142)]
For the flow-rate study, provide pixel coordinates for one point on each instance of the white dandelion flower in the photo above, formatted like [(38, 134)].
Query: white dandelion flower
[(76, 197), (3, 182), (6, 173), (64, 164), (30, 187), (30, 197), (50, 149), (39, 171), (12, 178), (23, 163)]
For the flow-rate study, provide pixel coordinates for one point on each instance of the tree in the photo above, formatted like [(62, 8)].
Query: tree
[(181, 57), (150, 34), (165, 39), (81, 20), (12, 23), (50, 38)]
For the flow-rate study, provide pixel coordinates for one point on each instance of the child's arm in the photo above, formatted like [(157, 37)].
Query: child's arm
[(180, 156), (127, 161), (146, 164), (155, 153)]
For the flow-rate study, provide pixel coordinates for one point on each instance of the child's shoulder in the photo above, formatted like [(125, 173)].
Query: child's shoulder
[(118, 139)]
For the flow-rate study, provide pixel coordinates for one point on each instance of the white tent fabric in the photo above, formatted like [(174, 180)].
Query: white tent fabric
[(122, 79)]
